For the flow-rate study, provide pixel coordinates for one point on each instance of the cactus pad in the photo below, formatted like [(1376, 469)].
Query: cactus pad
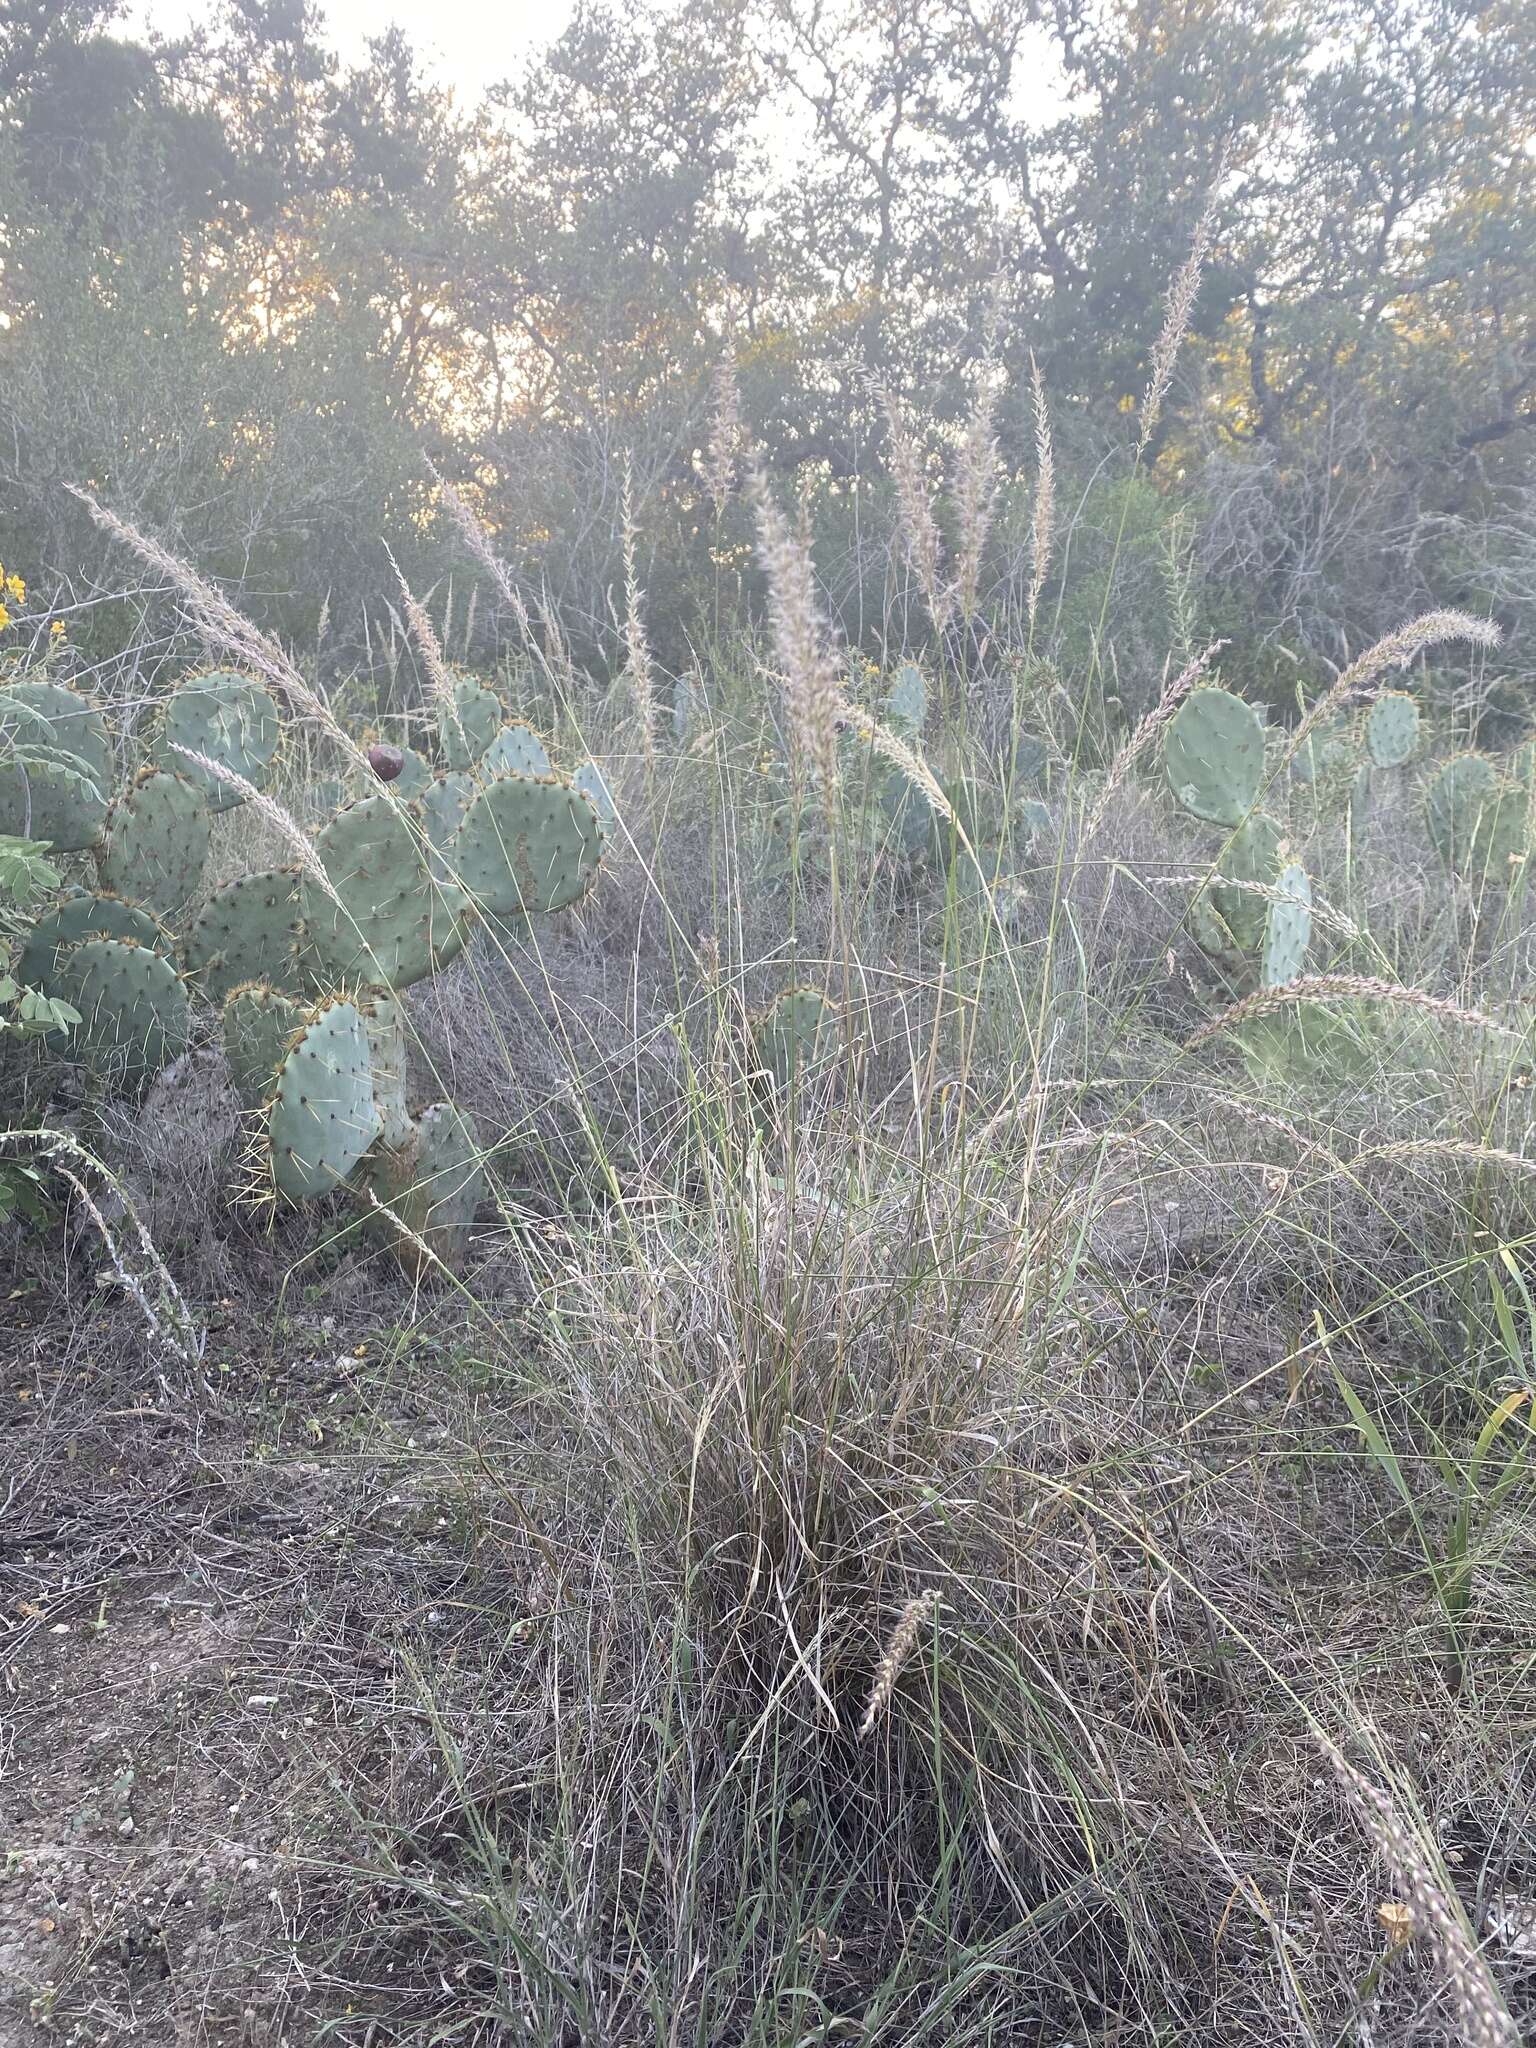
[(134, 1014), (157, 841), (1466, 789), (1252, 856), (322, 1118), (79, 918), (1214, 756), (528, 844), (1211, 932), (249, 930), (467, 730), (415, 774), (516, 750), (1392, 730), (43, 717), (1288, 929), (433, 1182), (590, 780), (383, 1018), (906, 702), (443, 805), (259, 1022), (232, 720), (797, 1028), (43, 796), (394, 922)]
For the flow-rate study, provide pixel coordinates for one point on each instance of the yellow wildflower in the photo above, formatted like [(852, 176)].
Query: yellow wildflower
[(16, 588), (57, 629), (5, 618)]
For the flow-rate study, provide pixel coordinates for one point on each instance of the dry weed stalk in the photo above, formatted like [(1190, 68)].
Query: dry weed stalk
[(1147, 731), (1482, 2016), (812, 697), (914, 505), (899, 1647), (638, 667), (428, 647), (1322, 988)]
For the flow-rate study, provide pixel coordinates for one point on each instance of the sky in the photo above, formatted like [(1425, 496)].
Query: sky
[(470, 44)]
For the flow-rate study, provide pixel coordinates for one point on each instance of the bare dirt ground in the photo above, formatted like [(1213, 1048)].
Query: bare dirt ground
[(217, 1611)]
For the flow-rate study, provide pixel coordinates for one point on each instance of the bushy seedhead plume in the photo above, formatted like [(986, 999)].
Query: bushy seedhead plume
[(428, 646), (914, 506), (1148, 730), (812, 696), (976, 478), (1323, 988), (638, 667), (1396, 650), (898, 1648), (900, 755), (1177, 310), (1438, 1920), (726, 438), (269, 808), (1042, 524), (478, 541), (219, 622)]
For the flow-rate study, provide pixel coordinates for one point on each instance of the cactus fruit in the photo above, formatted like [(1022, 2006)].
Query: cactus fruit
[(1288, 929), (516, 750), (906, 702), (466, 728), (432, 1182), (134, 1014), (247, 931), (1392, 729), (76, 919), (1214, 756), (388, 762), (42, 797), (259, 1023), (157, 841), (389, 922), (322, 1118), (528, 844), (798, 1027), (44, 717), (227, 717), (1253, 855)]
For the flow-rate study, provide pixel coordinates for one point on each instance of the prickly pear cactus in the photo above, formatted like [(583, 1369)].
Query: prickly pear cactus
[(443, 806), (590, 782), (259, 1025), (44, 717), (409, 772), (1392, 730), (250, 930), (1213, 935), (323, 1117), (1214, 756), (229, 718), (433, 1181), (467, 728), (135, 1017), (797, 1028), (1288, 931), (516, 750), (43, 796), (387, 920), (156, 841), (1475, 821), (528, 845), (1252, 856)]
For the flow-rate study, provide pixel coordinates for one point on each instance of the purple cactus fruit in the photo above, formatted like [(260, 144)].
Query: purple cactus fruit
[(386, 762)]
